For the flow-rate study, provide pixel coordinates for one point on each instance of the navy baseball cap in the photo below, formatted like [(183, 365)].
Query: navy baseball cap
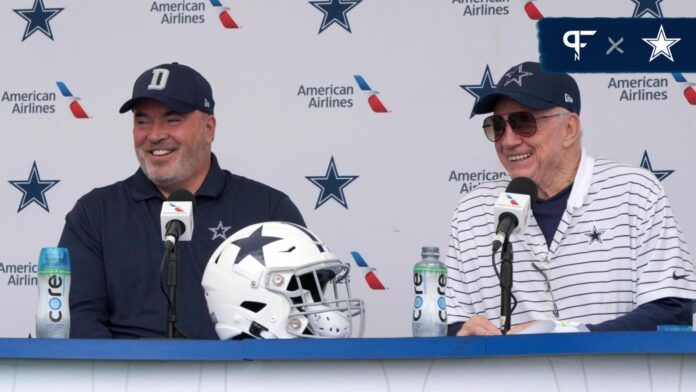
[(176, 86), (527, 84)]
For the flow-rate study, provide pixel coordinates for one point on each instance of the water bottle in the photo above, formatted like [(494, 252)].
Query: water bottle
[(53, 313), (429, 280)]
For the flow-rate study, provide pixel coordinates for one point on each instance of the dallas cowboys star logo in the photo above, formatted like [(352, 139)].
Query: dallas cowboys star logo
[(661, 45), (480, 90), (516, 76), (646, 164), (219, 231), (34, 189), (37, 19), (331, 185), (253, 245), (595, 235), (647, 7), (335, 11)]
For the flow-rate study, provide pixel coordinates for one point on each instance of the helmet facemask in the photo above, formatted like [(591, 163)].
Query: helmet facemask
[(322, 305)]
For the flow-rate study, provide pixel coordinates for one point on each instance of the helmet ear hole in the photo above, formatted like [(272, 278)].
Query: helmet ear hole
[(253, 306)]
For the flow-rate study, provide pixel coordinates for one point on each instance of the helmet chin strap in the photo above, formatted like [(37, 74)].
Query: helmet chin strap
[(242, 325), (328, 323), (226, 331)]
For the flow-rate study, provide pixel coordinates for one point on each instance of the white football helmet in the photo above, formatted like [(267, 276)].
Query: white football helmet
[(270, 280)]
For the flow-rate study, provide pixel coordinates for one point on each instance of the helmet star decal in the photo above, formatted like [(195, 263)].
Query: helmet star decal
[(253, 245)]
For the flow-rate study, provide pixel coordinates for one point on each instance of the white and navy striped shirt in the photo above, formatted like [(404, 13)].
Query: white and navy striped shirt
[(617, 247)]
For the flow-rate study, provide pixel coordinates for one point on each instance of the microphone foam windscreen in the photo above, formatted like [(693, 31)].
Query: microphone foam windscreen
[(523, 186), (184, 195)]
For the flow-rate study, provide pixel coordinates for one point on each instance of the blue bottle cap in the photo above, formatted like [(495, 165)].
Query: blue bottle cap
[(54, 261)]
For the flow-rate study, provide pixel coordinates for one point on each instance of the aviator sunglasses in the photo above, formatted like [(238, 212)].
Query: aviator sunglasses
[(522, 123)]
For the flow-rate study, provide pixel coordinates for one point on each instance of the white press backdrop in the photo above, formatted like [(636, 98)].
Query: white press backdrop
[(412, 163)]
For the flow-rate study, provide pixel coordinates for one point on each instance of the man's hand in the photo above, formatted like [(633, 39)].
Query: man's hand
[(478, 326), (520, 327), (481, 326)]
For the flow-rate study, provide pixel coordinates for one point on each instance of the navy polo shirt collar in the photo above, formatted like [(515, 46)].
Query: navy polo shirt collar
[(213, 186)]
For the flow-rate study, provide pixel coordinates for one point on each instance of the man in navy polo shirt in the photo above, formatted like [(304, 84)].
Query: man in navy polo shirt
[(113, 233)]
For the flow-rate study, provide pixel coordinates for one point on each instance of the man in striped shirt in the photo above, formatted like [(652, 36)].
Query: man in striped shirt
[(602, 247)]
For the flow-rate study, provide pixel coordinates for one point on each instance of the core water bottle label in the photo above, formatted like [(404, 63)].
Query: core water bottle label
[(418, 282), (55, 313), (55, 303), (55, 292)]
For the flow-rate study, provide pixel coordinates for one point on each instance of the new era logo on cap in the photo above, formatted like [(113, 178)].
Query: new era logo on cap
[(179, 87)]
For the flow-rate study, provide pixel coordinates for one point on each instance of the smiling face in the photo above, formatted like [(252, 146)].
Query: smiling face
[(550, 157), (173, 149)]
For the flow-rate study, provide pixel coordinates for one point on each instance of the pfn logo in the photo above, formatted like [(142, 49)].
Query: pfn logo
[(375, 104), (225, 17), (77, 110), (576, 44), (370, 277)]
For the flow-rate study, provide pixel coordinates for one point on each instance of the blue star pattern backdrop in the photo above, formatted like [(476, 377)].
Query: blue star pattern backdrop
[(335, 11), (647, 165), (33, 189), (331, 185), (617, 44), (479, 90), (38, 19), (359, 111)]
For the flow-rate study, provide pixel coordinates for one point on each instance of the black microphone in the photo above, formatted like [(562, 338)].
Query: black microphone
[(176, 220), (512, 209), (176, 217)]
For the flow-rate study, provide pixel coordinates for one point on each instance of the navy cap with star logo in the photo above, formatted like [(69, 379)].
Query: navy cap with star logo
[(177, 86), (529, 85)]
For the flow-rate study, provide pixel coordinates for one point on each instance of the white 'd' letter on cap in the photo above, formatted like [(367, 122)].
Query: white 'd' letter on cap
[(159, 79)]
